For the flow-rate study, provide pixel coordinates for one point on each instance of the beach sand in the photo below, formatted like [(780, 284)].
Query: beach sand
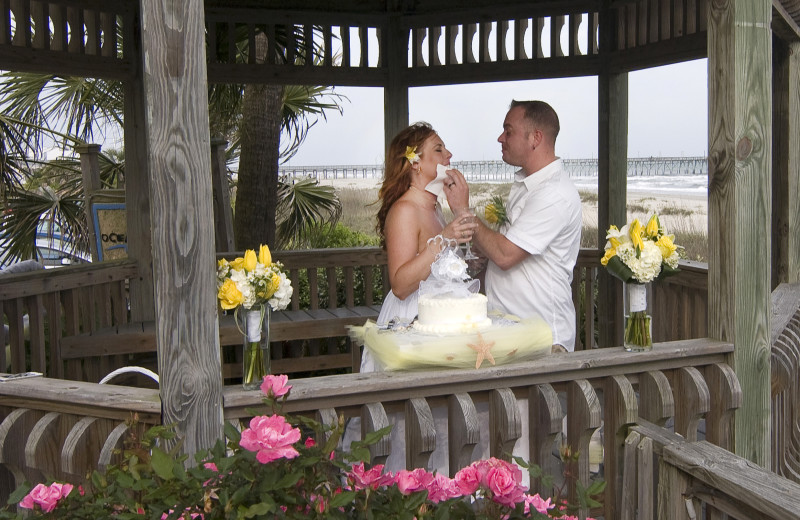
[(677, 211)]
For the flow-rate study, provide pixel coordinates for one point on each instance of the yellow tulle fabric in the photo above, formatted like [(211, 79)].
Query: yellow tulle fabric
[(508, 340)]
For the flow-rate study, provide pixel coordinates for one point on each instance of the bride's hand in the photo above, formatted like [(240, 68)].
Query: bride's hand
[(461, 228)]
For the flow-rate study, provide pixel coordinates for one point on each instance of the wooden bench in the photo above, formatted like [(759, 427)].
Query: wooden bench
[(308, 339)]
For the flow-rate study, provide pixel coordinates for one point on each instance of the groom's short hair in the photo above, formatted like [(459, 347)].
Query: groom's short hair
[(540, 115)]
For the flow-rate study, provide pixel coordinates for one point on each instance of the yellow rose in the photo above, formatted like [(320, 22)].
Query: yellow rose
[(666, 246), (250, 260), (614, 241), (221, 263), (264, 256), (271, 286), (237, 263), (635, 232), (610, 253), (653, 226), (229, 295)]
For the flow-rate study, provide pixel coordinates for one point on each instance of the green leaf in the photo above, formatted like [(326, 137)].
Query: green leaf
[(162, 464), (19, 493), (618, 268), (667, 271), (257, 510), (343, 499)]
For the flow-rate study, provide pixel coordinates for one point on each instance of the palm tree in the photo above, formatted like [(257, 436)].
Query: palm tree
[(67, 111)]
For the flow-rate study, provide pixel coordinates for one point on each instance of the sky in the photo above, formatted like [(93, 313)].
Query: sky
[(667, 116)]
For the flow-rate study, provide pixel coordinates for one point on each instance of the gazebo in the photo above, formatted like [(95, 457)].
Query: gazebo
[(165, 53)]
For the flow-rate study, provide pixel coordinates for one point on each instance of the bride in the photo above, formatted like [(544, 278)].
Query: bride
[(410, 215)]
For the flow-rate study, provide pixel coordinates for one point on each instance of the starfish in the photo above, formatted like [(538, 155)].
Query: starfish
[(482, 347)]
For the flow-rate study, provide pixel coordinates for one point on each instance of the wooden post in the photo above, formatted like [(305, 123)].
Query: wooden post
[(90, 170), (786, 162), (223, 213), (187, 328), (740, 147), (612, 178), (137, 188), (395, 92)]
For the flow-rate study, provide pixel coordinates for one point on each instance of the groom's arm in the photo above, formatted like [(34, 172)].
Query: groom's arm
[(499, 249)]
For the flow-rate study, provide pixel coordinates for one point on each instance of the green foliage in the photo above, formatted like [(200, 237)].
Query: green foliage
[(309, 480)]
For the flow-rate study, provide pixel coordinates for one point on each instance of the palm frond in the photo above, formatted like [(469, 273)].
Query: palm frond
[(303, 207)]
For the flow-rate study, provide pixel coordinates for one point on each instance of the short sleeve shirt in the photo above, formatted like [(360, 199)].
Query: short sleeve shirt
[(544, 212)]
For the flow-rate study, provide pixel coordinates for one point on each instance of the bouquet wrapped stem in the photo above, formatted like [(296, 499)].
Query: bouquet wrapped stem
[(255, 357), (637, 331)]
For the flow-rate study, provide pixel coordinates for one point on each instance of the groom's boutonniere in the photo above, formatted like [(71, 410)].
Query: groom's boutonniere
[(495, 212)]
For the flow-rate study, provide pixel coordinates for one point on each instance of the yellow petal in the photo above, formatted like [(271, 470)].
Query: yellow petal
[(610, 253), (614, 242), (250, 260), (229, 295), (635, 232), (221, 263), (237, 263), (666, 246), (652, 227), (264, 256)]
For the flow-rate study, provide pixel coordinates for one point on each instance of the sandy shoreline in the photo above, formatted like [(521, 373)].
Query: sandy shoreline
[(677, 210)]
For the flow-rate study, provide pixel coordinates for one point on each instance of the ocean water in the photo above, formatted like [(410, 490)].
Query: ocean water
[(672, 184)]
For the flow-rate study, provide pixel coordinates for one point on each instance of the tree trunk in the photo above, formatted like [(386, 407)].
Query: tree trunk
[(257, 187)]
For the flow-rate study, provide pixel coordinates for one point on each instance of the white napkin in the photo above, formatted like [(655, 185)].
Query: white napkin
[(436, 186)]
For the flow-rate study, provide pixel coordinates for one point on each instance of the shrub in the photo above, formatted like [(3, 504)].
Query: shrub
[(273, 470)]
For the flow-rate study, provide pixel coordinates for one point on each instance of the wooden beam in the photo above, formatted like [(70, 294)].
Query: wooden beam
[(740, 148), (612, 171), (137, 185), (182, 220), (90, 170), (395, 91), (785, 162)]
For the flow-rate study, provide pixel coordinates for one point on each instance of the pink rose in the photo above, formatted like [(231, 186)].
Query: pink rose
[(186, 514), (415, 480), (275, 386), (46, 497), (536, 502), (372, 478), (271, 437), (442, 488), (310, 442), (468, 479), (502, 481)]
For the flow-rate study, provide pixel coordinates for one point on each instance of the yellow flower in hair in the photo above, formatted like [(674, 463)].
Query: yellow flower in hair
[(411, 154)]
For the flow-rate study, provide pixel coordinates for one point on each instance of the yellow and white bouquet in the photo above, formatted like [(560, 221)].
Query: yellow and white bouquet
[(252, 283), (641, 254), (252, 280)]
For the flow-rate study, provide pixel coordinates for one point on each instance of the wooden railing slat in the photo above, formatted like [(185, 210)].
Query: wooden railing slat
[(620, 411), (655, 395), (463, 431), (420, 433), (583, 418), (693, 401), (505, 423), (545, 416), (373, 418)]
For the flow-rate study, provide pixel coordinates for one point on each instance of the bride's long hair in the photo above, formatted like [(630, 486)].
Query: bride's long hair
[(397, 169)]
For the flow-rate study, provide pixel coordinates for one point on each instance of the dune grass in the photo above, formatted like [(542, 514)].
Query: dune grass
[(359, 210)]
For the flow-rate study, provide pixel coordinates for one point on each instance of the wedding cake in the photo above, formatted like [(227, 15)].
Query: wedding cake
[(452, 315), (449, 301)]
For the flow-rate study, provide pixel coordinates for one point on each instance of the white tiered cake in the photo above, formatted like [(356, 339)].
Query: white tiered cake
[(451, 315)]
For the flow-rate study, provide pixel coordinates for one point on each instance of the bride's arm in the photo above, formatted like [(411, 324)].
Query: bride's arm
[(407, 265)]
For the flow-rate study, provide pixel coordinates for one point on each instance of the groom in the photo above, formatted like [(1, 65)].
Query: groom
[(532, 255)]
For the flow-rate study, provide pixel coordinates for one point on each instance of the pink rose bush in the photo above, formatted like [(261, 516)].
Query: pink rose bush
[(284, 467)]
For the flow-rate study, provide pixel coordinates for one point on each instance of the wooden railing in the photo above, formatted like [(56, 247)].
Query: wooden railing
[(78, 324), (605, 389), (698, 480), (785, 358)]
